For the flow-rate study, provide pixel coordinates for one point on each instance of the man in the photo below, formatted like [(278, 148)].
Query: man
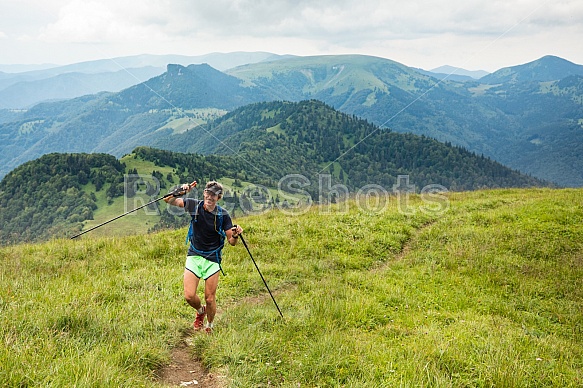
[(210, 225)]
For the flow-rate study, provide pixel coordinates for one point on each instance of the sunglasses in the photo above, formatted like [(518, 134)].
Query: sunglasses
[(210, 192)]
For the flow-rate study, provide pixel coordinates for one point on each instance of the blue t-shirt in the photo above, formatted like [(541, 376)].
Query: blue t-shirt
[(206, 227)]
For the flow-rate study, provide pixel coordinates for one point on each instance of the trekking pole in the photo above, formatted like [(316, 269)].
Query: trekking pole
[(262, 278), (176, 193)]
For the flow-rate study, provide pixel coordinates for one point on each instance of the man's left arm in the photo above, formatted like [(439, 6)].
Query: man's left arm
[(233, 234)]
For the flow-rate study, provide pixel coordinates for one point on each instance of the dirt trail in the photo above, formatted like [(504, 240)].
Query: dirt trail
[(406, 248), (185, 370)]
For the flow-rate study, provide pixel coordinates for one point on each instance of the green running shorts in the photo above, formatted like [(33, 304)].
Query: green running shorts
[(201, 267)]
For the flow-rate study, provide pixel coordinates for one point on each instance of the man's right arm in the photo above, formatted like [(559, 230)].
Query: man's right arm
[(175, 201)]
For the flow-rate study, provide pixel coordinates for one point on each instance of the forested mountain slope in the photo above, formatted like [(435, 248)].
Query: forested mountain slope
[(312, 138), (259, 144)]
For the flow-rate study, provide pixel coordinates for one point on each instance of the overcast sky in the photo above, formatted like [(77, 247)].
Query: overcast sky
[(471, 34)]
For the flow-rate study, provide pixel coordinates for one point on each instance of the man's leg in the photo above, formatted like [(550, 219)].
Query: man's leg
[(190, 286), (210, 292)]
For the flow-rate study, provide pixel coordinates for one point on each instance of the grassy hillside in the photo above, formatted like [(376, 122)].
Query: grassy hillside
[(302, 77), (480, 289), (140, 221)]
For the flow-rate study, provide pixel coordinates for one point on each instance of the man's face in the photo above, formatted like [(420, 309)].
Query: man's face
[(210, 199)]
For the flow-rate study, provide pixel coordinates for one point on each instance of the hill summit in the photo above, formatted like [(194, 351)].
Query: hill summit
[(547, 68)]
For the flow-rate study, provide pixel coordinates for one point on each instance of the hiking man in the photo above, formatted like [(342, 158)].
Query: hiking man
[(210, 225)]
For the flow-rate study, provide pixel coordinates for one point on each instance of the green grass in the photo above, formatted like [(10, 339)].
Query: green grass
[(134, 223), (180, 124), (490, 293), (345, 73), (138, 222)]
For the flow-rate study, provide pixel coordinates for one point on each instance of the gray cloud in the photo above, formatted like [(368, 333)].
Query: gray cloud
[(422, 30)]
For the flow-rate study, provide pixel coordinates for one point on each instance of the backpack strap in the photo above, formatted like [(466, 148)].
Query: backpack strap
[(217, 252), (221, 230), (193, 219)]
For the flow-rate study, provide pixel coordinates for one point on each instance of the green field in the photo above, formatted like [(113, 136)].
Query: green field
[(487, 293), (138, 222)]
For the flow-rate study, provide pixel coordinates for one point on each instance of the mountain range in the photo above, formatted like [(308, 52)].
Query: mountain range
[(305, 148), (528, 117), (21, 88)]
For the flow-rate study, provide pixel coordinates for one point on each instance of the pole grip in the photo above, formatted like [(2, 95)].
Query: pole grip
[(180, 191)]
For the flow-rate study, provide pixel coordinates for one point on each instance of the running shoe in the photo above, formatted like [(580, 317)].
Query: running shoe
[(199, 321)]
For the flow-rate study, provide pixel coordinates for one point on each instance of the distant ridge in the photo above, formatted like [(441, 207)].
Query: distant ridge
[(25, 94), (22, 86), (19, 68), (475, 74), (547, 68), (220, 61)]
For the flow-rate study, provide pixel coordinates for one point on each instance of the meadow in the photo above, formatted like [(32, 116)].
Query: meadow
[(487, 292)]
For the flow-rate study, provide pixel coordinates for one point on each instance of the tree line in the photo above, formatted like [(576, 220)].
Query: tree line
[(45, 197)]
